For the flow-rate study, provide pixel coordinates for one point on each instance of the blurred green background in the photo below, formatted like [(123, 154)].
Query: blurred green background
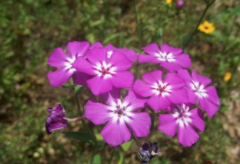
[(30, 30)]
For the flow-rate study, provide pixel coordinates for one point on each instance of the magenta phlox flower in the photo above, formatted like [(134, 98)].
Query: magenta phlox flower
[(168, 57), (106, 72), (199, 90), (64, 62), (129, 53), (121, 117), (55, 119), (161, 93), (184, 121)]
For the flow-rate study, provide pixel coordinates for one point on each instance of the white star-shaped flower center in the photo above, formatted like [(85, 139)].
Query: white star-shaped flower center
[(120, 111), (164, 56), (161, 88), (109, 53), (182, 115), (68, 64), (104, 70), (199, 89)]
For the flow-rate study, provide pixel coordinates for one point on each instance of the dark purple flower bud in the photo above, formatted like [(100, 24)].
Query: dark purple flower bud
[(148, 151), (55, 119), (179, 3)]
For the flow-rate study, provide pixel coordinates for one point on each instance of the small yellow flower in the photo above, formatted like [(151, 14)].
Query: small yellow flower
[(227, 76), (168, 1), (206, 27)]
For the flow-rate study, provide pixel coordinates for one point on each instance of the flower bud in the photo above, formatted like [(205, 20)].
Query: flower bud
[(179, 4)]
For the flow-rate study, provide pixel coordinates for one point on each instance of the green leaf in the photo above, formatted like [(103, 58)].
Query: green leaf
[(97, 159), (77, 89), (84, 137), (119, 158), (99, 137), (126, 145)]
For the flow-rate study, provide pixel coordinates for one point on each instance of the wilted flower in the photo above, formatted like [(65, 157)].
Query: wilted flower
[(227, 76), (119, 115), (199, 91), (55, 119), (161, 92), (148, 151), (60, 59), (105, 72), (207, 27), (184, 121), (168, 57)]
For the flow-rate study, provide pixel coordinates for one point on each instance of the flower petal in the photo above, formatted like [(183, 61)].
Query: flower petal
[(123, 79), (184, 60), (95, 45), (120, 61), (59, 77), (209, 107), (171, 66), (142, 58), (197, 119), (131, 55), (81, 78), (158, 102), (192, 98), (167, 124), (178, 96), (76, 49), (58, 58), (111, 96), (151, 49), (96, 112), (56, 123), (187, 136), (212, 95), (115, 133), (135, 101), (169, 49), (142, 89), (140, 124), (152, 77), (82, 65), (57, 110), (184, 74), (99, 85), (202, 79), (174, 81), (97, 55)]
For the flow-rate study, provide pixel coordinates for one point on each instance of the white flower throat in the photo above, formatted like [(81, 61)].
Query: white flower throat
[(199, 89), (104, 70), (120, 111), (182, 115), (164, 56), (161, 88)]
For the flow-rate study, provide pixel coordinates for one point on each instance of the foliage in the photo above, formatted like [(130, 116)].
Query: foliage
[(30, 30)]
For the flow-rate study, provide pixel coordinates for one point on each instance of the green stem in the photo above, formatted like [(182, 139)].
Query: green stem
[(112, 155), (138, 33), (189, 38), (153, 119), (138, 23), (81, 111), (78, 105), (136, 140)]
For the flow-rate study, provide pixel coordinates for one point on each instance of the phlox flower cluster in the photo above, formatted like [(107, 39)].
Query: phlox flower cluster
[(184, 96)]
